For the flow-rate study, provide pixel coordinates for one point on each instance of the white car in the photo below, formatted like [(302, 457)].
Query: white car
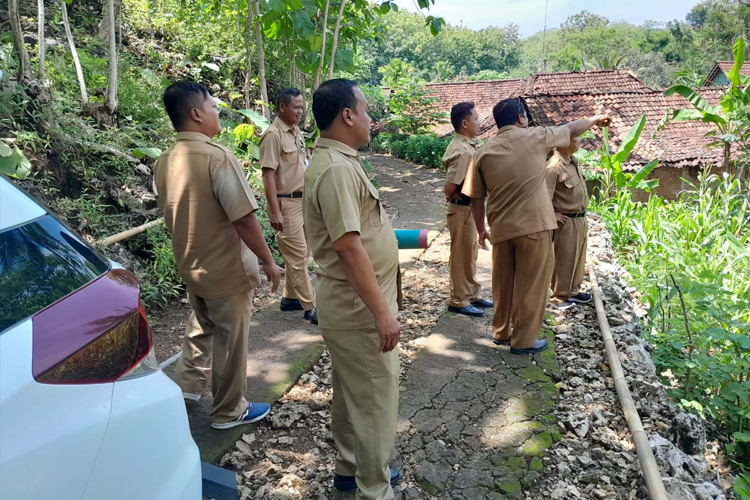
[(85, 412)]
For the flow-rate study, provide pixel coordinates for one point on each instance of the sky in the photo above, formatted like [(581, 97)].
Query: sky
[(529, 14)]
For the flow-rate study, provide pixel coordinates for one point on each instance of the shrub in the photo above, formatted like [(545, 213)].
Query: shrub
[(424, 149), (691, 260)]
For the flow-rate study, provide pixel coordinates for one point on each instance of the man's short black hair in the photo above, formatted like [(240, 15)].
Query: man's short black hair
[(331, 98), (507, 111), (461, 112), (180, 98), (286, 95)]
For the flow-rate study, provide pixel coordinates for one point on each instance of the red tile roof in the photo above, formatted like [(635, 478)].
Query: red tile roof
[(485, 94), (677, 145), (724, 67), (581, 81)]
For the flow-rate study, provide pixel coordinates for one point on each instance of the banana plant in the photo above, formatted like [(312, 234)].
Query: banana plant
[(730, 120), (614, 162)]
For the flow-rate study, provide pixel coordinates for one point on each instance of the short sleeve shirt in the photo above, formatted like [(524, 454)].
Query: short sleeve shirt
[(202, 190), (509, 170), (566, 185), (457, 159), (338, 199), (282, 149)]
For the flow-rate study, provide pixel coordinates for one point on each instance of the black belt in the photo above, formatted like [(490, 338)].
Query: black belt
[(463, 203), (575, 216), (293, 195)]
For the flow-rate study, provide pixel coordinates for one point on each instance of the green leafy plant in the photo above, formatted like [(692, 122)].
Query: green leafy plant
[(614, 162), (13, 162), (691, 261), (424, 149), (730, 119)]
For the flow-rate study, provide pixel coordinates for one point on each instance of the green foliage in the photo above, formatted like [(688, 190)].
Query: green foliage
[(161, 283), (454, 52), (742, 487), (730, 120), (614, 163), (424, 149), (691, 260), (13, 162), (412, 110)]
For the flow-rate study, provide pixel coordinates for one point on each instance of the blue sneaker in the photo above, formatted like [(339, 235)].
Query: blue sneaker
[(565, 305), (466, 311), (482, 304), (254, 412), (581, 298), (539, 346), (290, 305), (347, 483)]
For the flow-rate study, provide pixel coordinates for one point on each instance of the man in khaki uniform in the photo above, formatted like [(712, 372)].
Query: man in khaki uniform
[(284, 160), (355, 246), (570, 198), (209, 211), (510, 169), (462, 264)]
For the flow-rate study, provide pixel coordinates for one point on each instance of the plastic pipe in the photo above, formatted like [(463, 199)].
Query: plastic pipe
[(412, 238)]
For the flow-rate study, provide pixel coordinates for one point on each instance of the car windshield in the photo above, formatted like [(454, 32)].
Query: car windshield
[(40, 263)]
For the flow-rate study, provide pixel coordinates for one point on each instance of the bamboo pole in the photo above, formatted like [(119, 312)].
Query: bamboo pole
[(129, 233), (646, 458)]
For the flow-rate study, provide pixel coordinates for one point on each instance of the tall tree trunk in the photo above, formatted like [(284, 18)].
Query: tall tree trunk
[(40, 40), (112, 89), (24, 72), (335, 42), (74, 53), (248, 53), (324, 28), (261, 61)]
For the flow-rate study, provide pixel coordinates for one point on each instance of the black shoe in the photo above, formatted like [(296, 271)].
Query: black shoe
[(466, 311), (501, 341), (482, 304), (291, 305), (347, 483), (539, 346), (312, 316)]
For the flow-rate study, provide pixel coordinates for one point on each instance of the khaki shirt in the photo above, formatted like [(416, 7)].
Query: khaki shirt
[(340, 199), (282, 148), (457, 159), (566, 185), (510, 169), (202, 190)]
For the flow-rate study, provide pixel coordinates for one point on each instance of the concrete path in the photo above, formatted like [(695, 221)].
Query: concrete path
[(281, 345), (411, 196), (475, 420)]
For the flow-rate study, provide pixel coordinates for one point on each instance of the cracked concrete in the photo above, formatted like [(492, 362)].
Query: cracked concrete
[(474, 418)]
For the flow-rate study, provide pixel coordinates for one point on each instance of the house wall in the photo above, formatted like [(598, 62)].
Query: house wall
[(672, 181)]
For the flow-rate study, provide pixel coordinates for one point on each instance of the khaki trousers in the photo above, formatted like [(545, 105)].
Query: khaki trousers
[(216, 342), (521, 273), (364, 411), (293, 247), (570, 258), (463, 259)]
